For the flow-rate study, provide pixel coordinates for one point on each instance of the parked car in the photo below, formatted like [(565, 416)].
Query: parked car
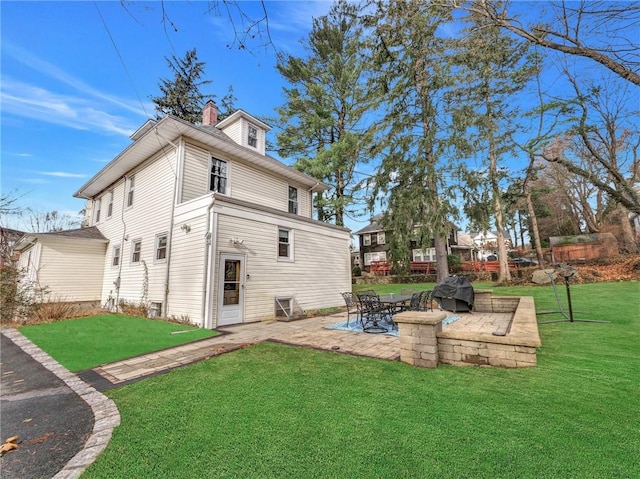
[(524, 261), (492, 257)]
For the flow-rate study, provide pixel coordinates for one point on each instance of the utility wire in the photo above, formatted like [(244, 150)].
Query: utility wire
[(104, 23)]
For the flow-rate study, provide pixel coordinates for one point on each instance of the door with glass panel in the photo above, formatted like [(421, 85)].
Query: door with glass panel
[(231, 289)]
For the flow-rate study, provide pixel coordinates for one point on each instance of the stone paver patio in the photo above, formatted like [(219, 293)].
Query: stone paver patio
[(305, 332)]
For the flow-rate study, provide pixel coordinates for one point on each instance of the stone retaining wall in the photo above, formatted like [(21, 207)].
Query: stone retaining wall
[(424, 343)]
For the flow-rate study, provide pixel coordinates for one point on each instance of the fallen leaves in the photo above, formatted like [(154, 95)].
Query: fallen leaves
[(10, 444)]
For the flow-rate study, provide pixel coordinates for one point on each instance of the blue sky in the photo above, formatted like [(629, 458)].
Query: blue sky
[(70, 98), (77, 77)]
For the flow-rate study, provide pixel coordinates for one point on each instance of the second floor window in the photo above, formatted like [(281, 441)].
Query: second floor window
[(110, 205), (115, 261), (136, 249), (252, 136), (293, 200), (98, 206), (161, 247), (366, 240), (130, 191), (218, 180), (381, 238)]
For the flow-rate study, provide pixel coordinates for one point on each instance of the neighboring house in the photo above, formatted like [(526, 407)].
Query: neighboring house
[(69, 263), (203, 226), (8, 239), (486, 244), (374, 247)]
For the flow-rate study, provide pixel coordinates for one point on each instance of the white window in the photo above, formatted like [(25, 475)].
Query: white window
[(381, 238), (252, 136), (161, 247), (110, 205), (97, 204), (366, 240), (130, 191), (293, 200), (218, 179), (377, 256), (424, 255), (284, 243), (136, 249), (115, 256)]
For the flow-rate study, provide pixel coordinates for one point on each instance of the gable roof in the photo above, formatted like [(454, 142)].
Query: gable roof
[(91, 233), (150, 138)]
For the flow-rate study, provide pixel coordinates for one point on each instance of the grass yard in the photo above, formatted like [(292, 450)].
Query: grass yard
[(274, 411), (85, 343)]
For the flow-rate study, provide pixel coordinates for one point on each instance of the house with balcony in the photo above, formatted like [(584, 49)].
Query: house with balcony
[(374, 249), (200, 224)]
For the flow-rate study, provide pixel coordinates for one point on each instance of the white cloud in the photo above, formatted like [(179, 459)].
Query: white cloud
[(36, 103), (61, 174), (41, 66)]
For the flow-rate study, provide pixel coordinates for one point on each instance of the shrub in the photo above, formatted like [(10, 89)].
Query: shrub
[(133, 309), (454, 263), (19, 297), (356, 271)]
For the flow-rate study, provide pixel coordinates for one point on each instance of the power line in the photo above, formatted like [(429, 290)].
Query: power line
[(104, 23)]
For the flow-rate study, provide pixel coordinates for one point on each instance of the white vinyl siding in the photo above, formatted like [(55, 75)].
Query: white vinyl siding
[(321, 270), (154, 194), (195, 182), (243, 182), (188, 263), (72, 268)]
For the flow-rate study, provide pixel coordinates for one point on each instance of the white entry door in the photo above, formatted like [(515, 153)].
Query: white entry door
[(231, 289)]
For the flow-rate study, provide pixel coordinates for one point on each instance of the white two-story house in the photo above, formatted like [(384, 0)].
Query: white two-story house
[(202, 225)]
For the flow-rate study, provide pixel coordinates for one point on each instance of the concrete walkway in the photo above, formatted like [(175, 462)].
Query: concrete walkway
[(304, 332)]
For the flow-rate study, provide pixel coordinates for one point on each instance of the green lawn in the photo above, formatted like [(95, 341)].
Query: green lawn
[(274, 411), (84, 343)]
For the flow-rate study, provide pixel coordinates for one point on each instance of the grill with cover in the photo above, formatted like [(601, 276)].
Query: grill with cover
[(454, 293)]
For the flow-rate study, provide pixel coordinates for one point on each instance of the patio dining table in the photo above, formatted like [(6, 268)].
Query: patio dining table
[(397, 302)]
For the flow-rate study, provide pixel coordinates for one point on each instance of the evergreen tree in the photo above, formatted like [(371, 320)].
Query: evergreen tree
[(411, 84), (322, 119), (181, 96), (496, 67)]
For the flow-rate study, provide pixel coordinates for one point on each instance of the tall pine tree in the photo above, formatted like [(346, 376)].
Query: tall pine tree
[(496, 68), (322, 119), (181, 96), (413, 76)]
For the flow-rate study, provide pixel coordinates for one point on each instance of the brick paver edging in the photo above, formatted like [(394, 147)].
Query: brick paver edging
[(105, 413)]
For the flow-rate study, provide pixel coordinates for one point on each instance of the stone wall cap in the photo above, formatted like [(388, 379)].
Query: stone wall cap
[(419, 317)]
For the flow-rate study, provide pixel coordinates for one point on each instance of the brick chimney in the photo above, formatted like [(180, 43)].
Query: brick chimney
[(210, 114)]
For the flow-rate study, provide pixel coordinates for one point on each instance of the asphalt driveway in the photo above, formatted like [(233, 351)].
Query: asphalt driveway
[(52, 420)]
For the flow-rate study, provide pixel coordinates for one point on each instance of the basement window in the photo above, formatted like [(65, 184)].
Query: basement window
[(283, 307), (155, 310)]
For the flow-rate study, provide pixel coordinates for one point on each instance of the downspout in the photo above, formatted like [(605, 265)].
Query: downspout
[(179, 157), (210, 238), (124, 238)]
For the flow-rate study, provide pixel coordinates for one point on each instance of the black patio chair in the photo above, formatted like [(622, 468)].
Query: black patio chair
[(426, 301), (353, 305), (374, 314), (414, 304)]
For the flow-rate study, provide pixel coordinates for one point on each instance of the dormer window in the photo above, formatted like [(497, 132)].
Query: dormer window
[(252, 136)]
